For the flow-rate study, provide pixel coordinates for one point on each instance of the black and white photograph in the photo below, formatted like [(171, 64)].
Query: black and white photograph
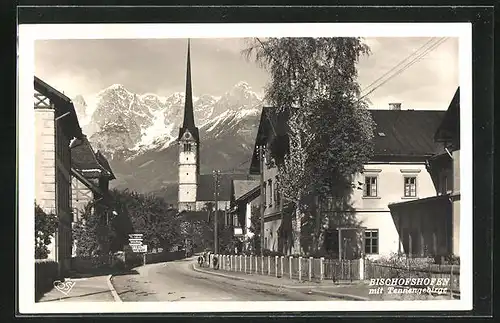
[(257, 167)]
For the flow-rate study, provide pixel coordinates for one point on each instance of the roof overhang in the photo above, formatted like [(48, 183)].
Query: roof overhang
[(429, 201), (64, 108), (86, 181)]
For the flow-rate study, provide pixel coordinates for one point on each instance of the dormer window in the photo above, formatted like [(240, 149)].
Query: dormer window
[(187, 147)]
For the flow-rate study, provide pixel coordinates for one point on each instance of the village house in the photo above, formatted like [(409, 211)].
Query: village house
[(56, 124), (403, 144), (432, 225), (91, 174), (243, 198)]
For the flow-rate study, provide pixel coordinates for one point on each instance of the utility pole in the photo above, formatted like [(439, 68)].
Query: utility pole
[(262, 198), (216, 217)]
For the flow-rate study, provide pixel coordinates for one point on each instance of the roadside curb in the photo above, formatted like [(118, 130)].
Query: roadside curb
[(323, 293), (112, 289)]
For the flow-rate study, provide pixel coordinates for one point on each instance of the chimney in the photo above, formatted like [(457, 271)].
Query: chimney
[(394, 106)]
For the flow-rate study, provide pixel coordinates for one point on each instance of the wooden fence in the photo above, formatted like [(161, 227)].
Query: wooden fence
[(301, 268), (338, 271)]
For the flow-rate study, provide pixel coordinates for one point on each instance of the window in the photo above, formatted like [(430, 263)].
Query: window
[(187, 147), (371, 242), (270, 184), (370, 186), (410, 186)]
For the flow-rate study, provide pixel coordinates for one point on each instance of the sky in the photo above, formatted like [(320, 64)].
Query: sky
[(158, 66)]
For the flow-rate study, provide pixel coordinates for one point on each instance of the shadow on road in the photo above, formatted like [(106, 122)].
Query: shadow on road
[(77, 296), (102, 272)]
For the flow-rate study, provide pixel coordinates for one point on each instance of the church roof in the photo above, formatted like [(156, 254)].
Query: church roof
[(206, 186), (188, 122)]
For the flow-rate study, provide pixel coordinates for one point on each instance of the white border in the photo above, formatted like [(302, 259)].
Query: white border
[(29, 33)]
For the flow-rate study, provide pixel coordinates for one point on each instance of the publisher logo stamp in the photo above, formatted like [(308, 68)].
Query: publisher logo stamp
[(64, 287)]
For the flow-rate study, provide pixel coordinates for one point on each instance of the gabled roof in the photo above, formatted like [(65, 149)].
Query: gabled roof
[(449, 129), (206, 186), (406, 133), (104, 163), (88, 163), (241, 188), (63, 105), (398, 134), (272, 124)]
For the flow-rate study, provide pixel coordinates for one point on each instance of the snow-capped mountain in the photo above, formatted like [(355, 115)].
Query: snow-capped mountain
[(137, 131)]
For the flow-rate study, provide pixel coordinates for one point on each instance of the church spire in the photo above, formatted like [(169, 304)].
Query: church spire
[(188, 105)]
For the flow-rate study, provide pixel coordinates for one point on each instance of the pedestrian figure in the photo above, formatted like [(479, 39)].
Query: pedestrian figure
[(216, 263), (200, 261)]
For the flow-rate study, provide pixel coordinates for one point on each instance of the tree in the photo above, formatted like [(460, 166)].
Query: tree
[(330, 130), (255, 228), (45, 229), (105, 227)]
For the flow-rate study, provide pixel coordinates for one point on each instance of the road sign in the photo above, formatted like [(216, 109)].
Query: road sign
[(141, 248)]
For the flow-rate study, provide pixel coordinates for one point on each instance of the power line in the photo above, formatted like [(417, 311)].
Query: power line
[(399, 64), (419, 56), (404, 68)]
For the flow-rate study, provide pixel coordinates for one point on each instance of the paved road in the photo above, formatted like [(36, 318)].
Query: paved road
[(177, 281)]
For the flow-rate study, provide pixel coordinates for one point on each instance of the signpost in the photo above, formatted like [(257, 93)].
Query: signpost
[(135, 242)]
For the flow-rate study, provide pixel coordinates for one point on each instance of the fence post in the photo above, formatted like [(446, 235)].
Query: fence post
[(256, 264), (349, 268), (276, 266), (310, 268), (361, 268), (241, 267), (321, 269), (300, 268), (290, 266), (250, 265), (245, 262), (268, 265), (281, 263), (144, 259), (451, 282), (262, 264)]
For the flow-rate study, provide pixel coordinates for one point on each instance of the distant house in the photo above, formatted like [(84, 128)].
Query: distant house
[(403, 142), (56, 125), (244, 196), (91, 174), (432, 225)]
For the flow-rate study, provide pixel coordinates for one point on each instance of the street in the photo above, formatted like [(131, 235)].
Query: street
[(177, 281)]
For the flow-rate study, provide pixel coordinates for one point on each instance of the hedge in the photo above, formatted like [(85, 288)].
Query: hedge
[(46, 272)]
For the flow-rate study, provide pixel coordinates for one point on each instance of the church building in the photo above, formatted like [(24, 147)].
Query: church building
[(197, 191)]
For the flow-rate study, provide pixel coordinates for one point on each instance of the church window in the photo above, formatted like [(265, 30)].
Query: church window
[(187, 147)]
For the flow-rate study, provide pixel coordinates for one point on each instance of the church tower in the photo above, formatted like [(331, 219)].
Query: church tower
[(189, 149)]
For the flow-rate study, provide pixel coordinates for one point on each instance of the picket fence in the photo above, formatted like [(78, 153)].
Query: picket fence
[(301, 268), (338, 271)]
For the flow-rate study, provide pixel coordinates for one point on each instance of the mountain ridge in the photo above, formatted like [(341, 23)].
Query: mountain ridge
[(137, 132)]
